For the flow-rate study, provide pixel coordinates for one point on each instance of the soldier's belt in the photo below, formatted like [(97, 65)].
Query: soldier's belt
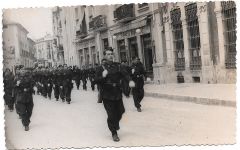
[(113, 84)]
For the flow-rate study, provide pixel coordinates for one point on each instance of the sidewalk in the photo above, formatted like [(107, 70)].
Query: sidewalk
[(208, 94)]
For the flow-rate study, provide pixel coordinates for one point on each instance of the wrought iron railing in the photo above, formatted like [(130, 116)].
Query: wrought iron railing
[(125, 11)]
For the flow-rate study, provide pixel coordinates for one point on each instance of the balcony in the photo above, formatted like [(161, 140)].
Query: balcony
[(80, 34), (124, 13), (98, 23)]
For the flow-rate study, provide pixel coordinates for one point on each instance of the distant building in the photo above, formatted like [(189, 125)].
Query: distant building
[(17, 47), (46, 51)]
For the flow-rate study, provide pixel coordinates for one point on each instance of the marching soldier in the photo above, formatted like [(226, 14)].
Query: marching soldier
[(91, 75), (60, 82), (55, 81), (84, 78), (49, 84), (8, 80), (67, 83), (24, 99), (138, 74), (110, 77), (77, 76)]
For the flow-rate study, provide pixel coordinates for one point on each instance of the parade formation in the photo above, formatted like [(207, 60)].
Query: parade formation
[(111, 80)]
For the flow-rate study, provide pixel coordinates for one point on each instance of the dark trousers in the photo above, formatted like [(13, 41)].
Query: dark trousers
[(67, 93), (61, 91), (67, 88), (9, 100), (84, 84), (115, 110), (77, 81), (49, 90), (56, 91), (92, 85), (25, 111), (126, 88), (138, 94), (44, 90)]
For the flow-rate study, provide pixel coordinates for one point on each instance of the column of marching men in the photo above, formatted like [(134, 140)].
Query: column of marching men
[(19, 87)]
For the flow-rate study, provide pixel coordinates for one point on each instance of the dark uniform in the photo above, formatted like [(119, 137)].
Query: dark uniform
[(112, 93), (77, 76), (55, 75), (91, 75), (8, 80), (138, 74), (49, 84), (24, 99), (84, 78), (67, 84)]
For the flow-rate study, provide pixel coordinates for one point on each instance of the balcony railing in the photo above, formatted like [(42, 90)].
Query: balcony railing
[(180, 64), (196, 63), (81, 34), (98, 23), (124, 13)]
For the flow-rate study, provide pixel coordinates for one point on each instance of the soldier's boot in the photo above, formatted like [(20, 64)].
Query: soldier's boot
[(56, 99), (26, 128), (115, 137), (139, 109), (63, 100)]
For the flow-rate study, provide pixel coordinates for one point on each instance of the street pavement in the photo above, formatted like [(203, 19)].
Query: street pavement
[(82, 124)]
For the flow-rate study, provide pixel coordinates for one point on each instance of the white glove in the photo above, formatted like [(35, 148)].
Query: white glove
[(72, 81), (104, 73), (25, 89), (18, 82), (53, 86), (133, 70), (131, 84), (48, 84)]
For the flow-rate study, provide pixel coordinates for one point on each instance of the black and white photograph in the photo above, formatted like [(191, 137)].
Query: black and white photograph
[(120, 75)]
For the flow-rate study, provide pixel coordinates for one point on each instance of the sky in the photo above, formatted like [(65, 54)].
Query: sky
[(38, 21)]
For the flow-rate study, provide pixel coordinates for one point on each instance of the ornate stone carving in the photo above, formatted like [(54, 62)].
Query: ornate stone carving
[(202, 8)]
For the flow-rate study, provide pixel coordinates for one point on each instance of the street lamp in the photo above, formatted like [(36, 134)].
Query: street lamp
[(138, 31)]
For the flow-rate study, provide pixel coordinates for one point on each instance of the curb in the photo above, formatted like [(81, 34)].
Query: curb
[(197, 100)]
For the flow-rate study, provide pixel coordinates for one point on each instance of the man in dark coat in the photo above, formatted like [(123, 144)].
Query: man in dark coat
[(138, 74), (77, 76), (55, 80), (91, 75), (24, 99), (8, 80), (84, 77), (110, 77), (67, 83)]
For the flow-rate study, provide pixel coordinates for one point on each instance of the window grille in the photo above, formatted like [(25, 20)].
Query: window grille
[(178, 39), (229, 22), (194, 36)]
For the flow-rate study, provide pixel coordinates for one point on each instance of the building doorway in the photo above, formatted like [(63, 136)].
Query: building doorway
[(122, 50), (133, 48)]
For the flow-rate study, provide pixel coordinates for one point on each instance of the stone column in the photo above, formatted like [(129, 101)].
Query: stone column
[(218, 9), (186, 73), (207, 69)]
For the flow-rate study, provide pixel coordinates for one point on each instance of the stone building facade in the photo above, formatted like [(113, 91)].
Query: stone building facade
[(17, 46), (46, 53), (177, 42)]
